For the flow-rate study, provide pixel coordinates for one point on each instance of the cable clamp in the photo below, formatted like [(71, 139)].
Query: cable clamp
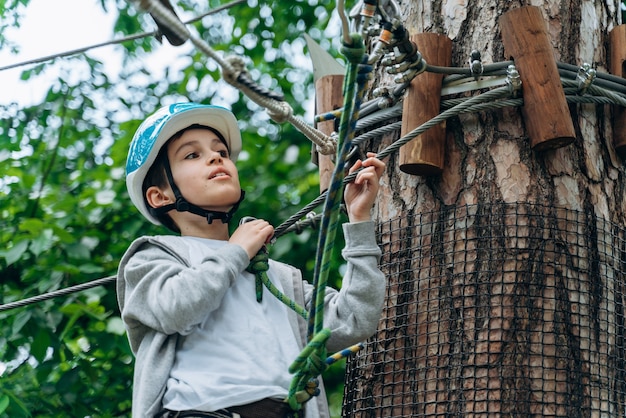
[(384, 96), (475, 64), (312, 218), (513, 80), (415, 68), (586, 76)]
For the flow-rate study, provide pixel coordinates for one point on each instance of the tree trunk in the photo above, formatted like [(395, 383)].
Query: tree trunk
[(506, 271)]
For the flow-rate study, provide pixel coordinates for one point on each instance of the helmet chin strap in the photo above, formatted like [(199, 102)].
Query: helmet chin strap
[(182, 205)]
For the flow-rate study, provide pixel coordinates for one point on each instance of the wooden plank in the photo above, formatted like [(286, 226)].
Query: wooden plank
[(328, 97), (425, 154), (546, 115)]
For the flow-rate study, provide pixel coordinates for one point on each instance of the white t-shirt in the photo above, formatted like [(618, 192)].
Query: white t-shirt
[(235, 356)]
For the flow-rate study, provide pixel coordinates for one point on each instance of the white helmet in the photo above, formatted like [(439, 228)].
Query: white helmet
[(158, 128)]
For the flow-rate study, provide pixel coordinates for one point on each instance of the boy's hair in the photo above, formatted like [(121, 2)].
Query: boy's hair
[(156, 175)]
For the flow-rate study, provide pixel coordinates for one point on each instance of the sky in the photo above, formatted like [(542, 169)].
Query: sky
[(47, 29)]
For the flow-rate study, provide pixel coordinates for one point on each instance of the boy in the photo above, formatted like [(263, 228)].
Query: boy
[(204, 346)]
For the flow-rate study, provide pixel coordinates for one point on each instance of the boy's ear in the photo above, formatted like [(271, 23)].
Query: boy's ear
[(157, 197)]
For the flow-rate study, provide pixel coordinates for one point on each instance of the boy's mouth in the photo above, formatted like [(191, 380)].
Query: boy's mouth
[(218, 174)]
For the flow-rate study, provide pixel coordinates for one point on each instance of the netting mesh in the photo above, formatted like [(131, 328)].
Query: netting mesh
[(496, 311)]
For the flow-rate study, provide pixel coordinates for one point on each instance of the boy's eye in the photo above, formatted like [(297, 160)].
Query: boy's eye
[(224, 153)]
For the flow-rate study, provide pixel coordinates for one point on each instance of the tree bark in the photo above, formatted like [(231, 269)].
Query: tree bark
[(507, 271)]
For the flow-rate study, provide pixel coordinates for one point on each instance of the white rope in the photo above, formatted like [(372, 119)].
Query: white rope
[(345, 25)]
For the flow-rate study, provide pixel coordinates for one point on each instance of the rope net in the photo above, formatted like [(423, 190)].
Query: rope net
[(494, 311)]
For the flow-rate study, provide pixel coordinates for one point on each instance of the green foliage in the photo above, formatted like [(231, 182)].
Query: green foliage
[(65, 214)]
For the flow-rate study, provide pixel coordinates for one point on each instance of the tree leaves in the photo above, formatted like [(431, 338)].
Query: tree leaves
[(15, 252)]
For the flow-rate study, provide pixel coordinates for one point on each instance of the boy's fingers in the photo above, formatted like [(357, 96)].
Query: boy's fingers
[(367, 176), (375, 163), (260, 225)]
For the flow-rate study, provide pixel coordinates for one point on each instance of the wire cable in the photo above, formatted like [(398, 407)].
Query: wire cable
[(61, 292), (114, 41)]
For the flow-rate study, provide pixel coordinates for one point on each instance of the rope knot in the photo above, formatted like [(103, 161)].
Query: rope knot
[(328, 147), (259, 263), (281, 112), (311, 389), (355, 51), (258, 266), (316, 365), (310, 363), (231, 72)]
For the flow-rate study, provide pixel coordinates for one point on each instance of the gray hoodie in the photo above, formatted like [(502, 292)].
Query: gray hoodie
[(161, 296)]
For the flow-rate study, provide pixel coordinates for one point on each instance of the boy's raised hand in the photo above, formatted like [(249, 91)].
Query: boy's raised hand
[(360, 194), (252, 236)]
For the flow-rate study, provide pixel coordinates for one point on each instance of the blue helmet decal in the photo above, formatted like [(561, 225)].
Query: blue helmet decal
[(144, 139), (143, 142)]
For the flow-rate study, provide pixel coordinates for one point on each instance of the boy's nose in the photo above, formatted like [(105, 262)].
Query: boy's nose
[(214, 157)]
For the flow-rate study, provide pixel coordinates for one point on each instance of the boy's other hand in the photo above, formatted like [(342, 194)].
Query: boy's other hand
[(360, 194)]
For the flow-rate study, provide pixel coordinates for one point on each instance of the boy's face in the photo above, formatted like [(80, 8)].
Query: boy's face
[(203, 171)]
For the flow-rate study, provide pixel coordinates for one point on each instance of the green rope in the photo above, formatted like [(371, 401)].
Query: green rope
[(330, 214), (309, 363), (306, 367), (259, 266)]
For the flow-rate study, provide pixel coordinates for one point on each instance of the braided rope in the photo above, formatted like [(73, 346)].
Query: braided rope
[(375, 133), (603, 86), (116, 41), (308, 365), (346, 352), (488, 97), (355, 83), (617, 98), (259, 265), (279, 111)]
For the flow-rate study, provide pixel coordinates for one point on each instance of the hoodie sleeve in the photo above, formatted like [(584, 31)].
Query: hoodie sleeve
[(352, 313), (158, 288)]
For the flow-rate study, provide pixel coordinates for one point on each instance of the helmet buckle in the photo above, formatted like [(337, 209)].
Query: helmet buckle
[(181, 204)]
